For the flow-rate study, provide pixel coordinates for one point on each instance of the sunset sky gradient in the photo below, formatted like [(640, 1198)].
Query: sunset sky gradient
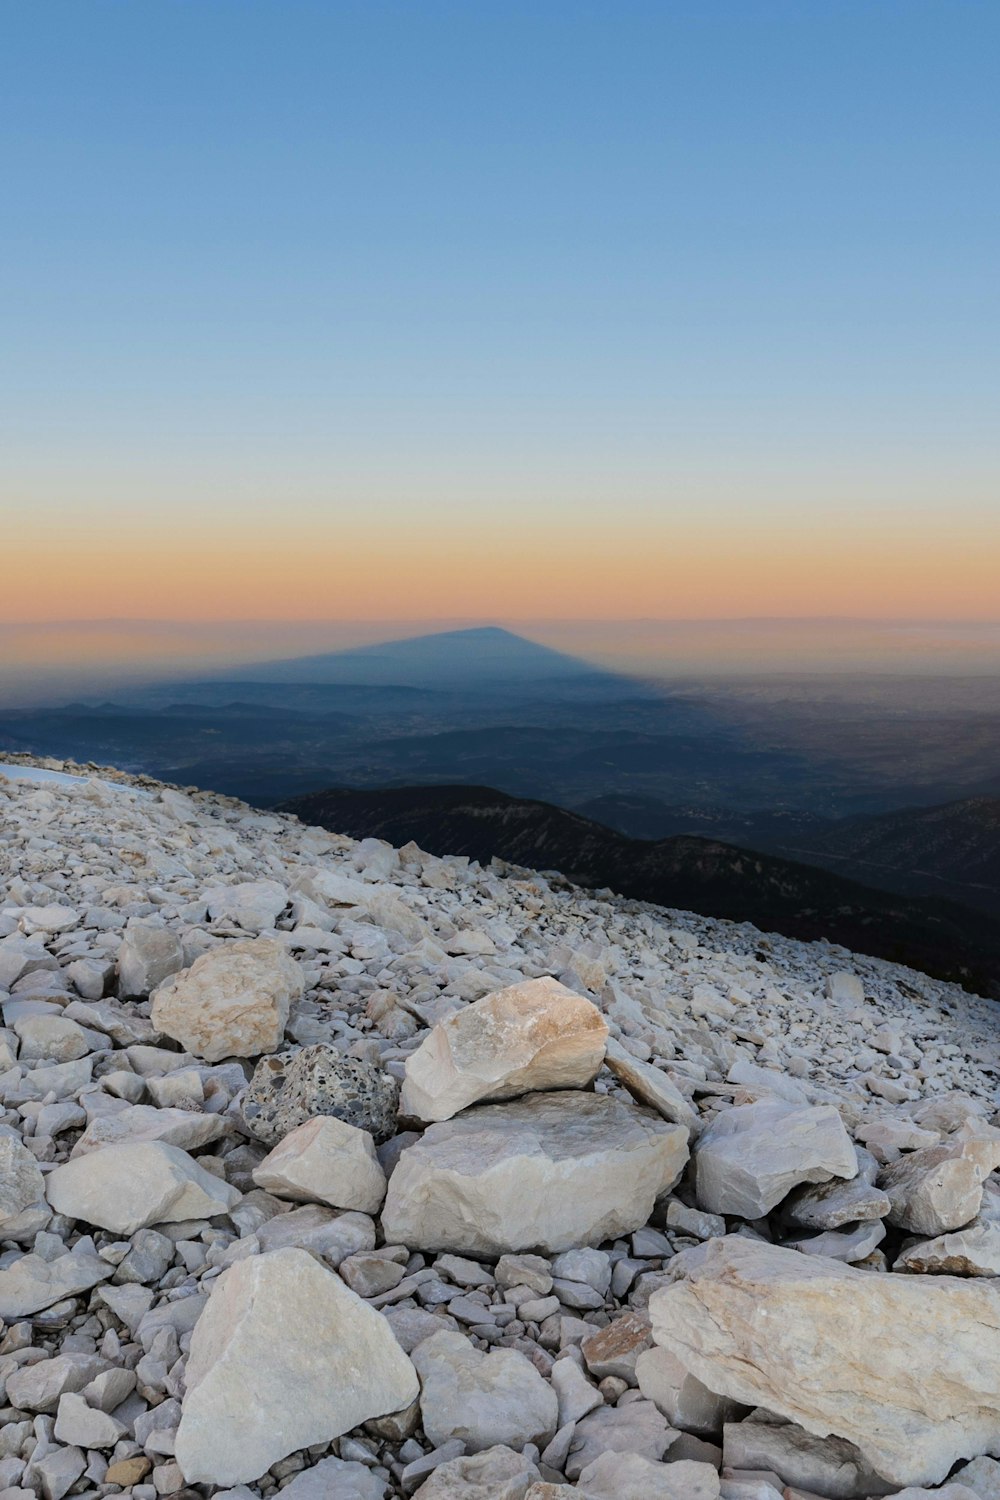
[(503, 311)]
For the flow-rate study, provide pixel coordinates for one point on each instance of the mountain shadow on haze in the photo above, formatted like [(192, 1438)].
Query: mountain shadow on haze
[(683, 872)]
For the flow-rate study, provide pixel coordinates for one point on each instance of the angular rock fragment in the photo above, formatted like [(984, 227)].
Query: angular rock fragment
[(551, 1172), (651, 1086), (495, 1474), (968, 1252), (828, 1465), (149, 953), (629, 1476), (906, 1368), (680, 1396), (21, 1182), (283, 1356), (933, 1190), (184, 1128), (232, 1002), (288, 1090), (127, 1187), (530, 1037), (483, 1400), (325, 1161), (32, 1283), (751, 1157)]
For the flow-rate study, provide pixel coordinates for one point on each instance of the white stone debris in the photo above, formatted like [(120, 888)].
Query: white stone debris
[(362, 1174)]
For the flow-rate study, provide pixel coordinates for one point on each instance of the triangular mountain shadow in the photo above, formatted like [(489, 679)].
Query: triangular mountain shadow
[(485, 657)]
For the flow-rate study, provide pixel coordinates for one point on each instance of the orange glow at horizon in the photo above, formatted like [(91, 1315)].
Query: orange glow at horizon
[(875, 569)]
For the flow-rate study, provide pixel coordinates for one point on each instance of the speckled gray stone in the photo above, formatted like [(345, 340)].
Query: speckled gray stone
[(290, 1088)]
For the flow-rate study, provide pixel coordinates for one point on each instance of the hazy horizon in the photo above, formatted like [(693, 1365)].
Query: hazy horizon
[(51, 662)]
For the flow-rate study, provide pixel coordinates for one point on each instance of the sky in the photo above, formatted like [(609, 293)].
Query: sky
[(547, 311)]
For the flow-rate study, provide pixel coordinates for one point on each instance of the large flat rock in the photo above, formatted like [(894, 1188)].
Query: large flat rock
[(552, 1172), (907, 1368)]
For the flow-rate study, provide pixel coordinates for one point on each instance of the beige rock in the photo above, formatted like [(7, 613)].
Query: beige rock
[(551, 1172), (283, 1356), (232, 1002), (751, 1157), (906, 1368), (533, 1036), (968, 1252), (325, 1161), (495, 1474), (127, 1187), (629, 1476), (30, 1284), (482, 1399), (933, 1190), (651, 1087)]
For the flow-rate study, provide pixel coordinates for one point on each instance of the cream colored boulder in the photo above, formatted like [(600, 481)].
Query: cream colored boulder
[(532, 1036), (751, 1157), (127, 1187), (325, 1161), (283, 1356), (907, 1368), (232, 1002), (934, 1190), (551, 1172)]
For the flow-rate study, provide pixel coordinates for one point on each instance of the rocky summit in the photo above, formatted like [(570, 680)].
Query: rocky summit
[(352, 1172)]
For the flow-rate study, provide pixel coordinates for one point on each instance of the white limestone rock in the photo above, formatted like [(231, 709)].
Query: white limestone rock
[(185, 1128), (629, 1476), (325, 1161), (482, 1400), (254, 905), (283, 1356), (149, 953), (21, 1182), (495, 1474), (232, 1002), (934, 1190), (751, 1157), (30, 1284), (968, 1252), (334, 1479), (551, 1172), (127, 1187), (651, 1086), (532, 1036), (680, 1396), (906, 1368)]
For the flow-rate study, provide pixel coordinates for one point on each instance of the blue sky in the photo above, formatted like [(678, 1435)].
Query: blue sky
[(659, 272)]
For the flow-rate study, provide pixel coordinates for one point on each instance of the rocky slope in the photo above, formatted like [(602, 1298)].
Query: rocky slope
[(770, 890), (355, 1172)]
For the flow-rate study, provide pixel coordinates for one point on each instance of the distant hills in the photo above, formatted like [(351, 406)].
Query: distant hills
[(951, 851), (690, 873)]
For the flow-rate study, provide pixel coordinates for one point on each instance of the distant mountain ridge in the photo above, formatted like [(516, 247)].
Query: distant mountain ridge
[(950, 850), (683, 872)]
